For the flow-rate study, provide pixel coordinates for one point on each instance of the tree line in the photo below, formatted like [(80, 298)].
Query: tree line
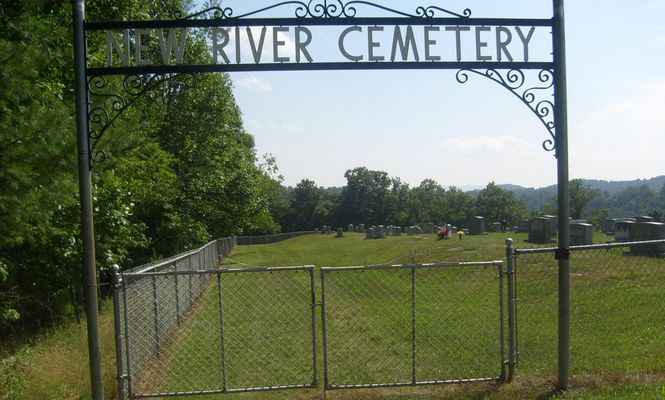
[(375, 198), (180, 169)]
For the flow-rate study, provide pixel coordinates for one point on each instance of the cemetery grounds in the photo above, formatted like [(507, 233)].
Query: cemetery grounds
[(617, 332)]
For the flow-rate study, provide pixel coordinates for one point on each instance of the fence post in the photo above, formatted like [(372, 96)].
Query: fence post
[(413, 327), (312, 272), (512, 327), (177, 292), (324, 329), (118, 332), (220, 304), (156, 310)]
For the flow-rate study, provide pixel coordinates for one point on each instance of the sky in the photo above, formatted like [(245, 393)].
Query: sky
[(425, 124)]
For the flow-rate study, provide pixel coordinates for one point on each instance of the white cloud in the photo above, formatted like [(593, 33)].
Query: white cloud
[(486, 144), (252, 82), (638, 117), (624, 139)]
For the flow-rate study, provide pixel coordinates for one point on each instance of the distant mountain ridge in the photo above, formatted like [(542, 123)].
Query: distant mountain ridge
[(611, 187), (619, 198)]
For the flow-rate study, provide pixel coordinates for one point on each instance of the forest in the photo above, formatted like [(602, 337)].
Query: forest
[(175, 170)]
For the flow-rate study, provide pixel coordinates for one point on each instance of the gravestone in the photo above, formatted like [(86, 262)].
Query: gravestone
[(641, 231), (523, 226), (607, 226), (361, 228), (540, 230), (380, 232), (428, 227), (349, 228), (622, 230), (554, 223), (369, 233), (581, 234), (340, 233), (397, 231), (324, 230), (409, 231), (578, 221), (477, 225), (495, 227), (644, 218)]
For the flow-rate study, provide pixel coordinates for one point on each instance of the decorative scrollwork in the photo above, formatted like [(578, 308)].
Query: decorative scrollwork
[(534, 97), (326, 9), (106, 105), (208, 13)]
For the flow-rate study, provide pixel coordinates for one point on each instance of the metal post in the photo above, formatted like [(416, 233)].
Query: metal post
[(177, 293), (128, 354), (324, 329), (191, 290), (413, 327), (85, 191), (220, 304), (563, 252), (156, 311), (512, 337), (502, 344), (312, 282), (118, 332)]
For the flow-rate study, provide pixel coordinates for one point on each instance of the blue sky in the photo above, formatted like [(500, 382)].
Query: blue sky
[(424, 124)]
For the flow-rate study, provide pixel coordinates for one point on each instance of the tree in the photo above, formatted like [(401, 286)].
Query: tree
[(427, 202), (303, 206), (580, 195), (365, 197), (459, 206), (496, 204)]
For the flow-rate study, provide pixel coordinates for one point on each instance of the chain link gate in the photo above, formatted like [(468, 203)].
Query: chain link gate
[(244, 330), (617, 318), (408, 325)]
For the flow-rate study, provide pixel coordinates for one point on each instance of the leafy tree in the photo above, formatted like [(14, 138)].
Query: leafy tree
[(398, 203), (365, 197), (427, 202), (496, 204), (459, 207), (580, 196), (304, 200)]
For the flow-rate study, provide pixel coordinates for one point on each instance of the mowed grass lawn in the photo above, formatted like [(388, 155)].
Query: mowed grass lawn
[(618, 322), (617, 344)]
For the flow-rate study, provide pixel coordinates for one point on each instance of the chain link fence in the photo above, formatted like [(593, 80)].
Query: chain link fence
[(413, 324), (617, 309), (211, 330), (186, 326), (150, 307), (267, 239)]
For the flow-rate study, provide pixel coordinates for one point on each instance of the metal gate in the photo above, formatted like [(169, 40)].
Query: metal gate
[(184, 331), (410, 325), (215, 331)]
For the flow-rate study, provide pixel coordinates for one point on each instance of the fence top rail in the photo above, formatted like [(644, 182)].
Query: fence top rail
[(415, 266), (602, 246), (277, 235), (219, 271), (168, 261)]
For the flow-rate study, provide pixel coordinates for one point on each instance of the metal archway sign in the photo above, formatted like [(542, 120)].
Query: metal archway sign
[(361, 35)]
